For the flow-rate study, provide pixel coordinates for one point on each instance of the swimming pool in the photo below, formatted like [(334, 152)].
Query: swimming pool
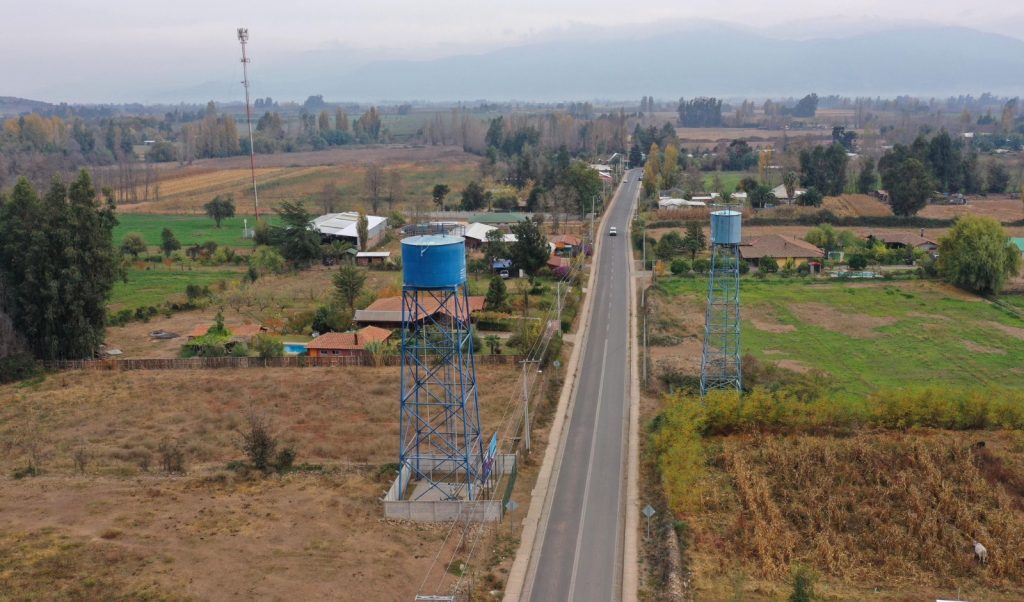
[(295, 348)]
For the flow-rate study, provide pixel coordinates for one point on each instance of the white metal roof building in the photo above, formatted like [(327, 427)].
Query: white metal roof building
[(343, 226)]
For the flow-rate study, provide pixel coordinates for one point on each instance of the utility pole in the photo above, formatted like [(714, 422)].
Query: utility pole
[(526, 406), (243, 37), (593, 203)]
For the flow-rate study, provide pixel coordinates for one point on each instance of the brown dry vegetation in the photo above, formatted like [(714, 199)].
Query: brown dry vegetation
[(885, 514), (297, 176), (125, 530)]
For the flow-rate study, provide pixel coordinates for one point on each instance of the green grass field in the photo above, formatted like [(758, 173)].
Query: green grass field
[(153, 287), (188, 229), (879, 335), (730, 180)]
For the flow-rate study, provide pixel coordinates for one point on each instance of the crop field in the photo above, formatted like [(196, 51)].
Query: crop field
[(883, 516), (304, 176), (188, 229), (865, 335), (160, 283), (105, 521)]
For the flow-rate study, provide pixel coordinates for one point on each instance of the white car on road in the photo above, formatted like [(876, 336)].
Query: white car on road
[(612, 231)]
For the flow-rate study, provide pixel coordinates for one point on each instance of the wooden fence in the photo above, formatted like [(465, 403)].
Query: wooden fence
[(212, 363)]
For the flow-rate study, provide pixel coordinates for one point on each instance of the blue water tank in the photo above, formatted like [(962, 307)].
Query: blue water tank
[(725, 227), (434, 261)]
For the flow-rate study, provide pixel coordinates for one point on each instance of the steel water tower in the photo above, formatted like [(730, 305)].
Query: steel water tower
[(441, 454), (720, 362)]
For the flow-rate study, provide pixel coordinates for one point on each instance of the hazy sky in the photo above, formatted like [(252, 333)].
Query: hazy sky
[(116, 50)]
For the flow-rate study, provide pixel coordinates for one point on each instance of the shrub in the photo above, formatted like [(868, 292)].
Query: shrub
[(680, 267), (266, 346), (18, 366), (258, 442), (285, 459), (857, 262), (701, 265), (172, 458), (768, 265)]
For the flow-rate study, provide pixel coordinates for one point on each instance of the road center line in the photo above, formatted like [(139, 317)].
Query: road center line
[(590, 471)]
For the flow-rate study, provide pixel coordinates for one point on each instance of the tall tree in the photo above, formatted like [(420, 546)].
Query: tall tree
[(295, 237), (496, 248), (670, 167), (57, 267), (473, 196), (652, 170), (694, 241), (363, 231), (530, 251), (373, 184), (348, 283), (790, 180), (133, 245), (497, 294), (439, 192), (220, 208), (168, 242), (909, 185), (976, 254), (395, 189), (866, 179)]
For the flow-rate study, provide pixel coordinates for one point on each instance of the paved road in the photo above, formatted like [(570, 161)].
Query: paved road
[(581, 543)]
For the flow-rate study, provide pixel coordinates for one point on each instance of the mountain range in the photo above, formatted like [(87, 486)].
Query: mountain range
[(702, 59)]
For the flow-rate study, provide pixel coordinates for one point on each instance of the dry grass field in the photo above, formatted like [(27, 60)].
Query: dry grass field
[(885, 516), (1002, 208), (303, 176), (104, 522)]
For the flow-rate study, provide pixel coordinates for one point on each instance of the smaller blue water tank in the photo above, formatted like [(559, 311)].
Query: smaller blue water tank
[(433, 261), (725, 227)]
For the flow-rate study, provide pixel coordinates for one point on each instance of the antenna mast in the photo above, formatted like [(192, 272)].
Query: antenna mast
[(243, 37)]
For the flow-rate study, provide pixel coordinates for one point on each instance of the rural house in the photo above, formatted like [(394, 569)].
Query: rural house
[(387, 312), (346, 344), (902, 240), (783, 196), (779, 247)]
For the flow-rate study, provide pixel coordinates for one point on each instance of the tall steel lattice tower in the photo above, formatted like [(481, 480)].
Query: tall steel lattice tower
[(720, 363), (441, 455), (243, 38)]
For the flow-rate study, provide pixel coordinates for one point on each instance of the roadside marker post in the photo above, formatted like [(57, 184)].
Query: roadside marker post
[(649, 512)]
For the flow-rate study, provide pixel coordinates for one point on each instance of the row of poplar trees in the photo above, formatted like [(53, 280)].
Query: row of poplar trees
[(57, 267)]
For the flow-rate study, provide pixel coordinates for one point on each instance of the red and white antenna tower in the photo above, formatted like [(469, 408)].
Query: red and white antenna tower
[(243, 37)]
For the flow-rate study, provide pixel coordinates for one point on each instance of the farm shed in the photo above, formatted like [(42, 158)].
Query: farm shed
[(342, 226), (373, 257)]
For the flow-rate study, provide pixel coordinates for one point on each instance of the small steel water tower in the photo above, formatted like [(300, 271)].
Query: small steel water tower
[(441, 452), (720, 362)]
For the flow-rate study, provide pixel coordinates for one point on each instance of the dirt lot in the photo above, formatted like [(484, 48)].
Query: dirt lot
[(126, 530), (1002, 208)]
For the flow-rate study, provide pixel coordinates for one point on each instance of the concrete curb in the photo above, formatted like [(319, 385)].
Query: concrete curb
[(540, 498), (631, 553)]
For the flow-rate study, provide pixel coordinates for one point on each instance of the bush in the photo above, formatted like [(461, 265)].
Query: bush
[(857, 262), (172, 458), (680, 267), (285, 459), (18, 366), (701, 265), (266, 346), (239, 350), (258, 442), (744, 267), (768, 265)]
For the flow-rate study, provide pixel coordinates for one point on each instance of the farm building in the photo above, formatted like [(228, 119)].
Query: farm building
[(373, 257), (476, 235), (346, 344), (781, 194), (498, 219), (779, 247), (342, 226), (902, 240), (674, 203), (387, 312)]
